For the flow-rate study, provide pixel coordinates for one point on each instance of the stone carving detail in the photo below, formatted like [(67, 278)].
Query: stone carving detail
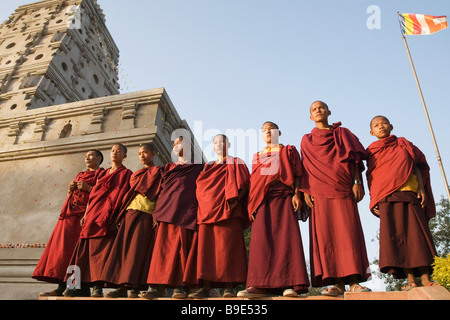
[(14, 132), (99, 116), (129, 115)]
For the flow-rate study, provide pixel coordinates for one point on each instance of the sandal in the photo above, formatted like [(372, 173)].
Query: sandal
[(152, 293), (359, 288), (333, 291), (229, 293), (252, 293), (199, 294), (179, 293), (118, 293)]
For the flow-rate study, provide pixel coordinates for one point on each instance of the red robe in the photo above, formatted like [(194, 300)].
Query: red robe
[(276, 257), (405, 237), (96, 236), (177, 203), (337, 244), (218, 254), (389, 166), (52, 266), (104, 201), (131, 251), (176, 213)]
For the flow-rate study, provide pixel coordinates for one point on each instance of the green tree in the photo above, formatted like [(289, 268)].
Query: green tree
[(440, 228)]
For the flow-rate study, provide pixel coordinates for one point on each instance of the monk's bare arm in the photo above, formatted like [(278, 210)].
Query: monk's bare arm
[(358, 190), (421, 192), (296, 199)]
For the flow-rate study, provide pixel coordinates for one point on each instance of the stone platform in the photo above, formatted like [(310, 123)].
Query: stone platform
[(421, 293)]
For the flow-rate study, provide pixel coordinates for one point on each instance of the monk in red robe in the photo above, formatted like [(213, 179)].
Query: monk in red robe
[(129, 258), (176, 215), (333, 157), (276, 258), (219, 256), (398, 176), (96, 234), (52, 266)]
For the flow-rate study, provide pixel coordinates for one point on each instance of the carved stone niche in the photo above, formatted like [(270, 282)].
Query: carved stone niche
[(41, 126), (14, 132), (99, 116), (129, 113)]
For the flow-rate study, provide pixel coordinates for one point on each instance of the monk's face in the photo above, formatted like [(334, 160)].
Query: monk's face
[(178, 147), (221, 146), (319, 112), (146, 156), (270, 133), (117, 154), (380, 127), (92, 160)]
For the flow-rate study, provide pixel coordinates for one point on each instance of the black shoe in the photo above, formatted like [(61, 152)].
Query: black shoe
[(97, 292), (75, 293)]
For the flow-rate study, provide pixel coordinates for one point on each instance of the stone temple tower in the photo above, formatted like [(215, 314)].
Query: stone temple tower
[(55, 52), (59, 98)]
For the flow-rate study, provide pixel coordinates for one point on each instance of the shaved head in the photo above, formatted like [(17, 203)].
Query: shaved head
[(376, 117)]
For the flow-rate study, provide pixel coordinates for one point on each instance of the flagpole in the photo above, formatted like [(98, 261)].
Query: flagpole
[(428, 118)]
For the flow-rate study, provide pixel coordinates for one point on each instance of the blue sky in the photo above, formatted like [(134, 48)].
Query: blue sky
[(233, 64)]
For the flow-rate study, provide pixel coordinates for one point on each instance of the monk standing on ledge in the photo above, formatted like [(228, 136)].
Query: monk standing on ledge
[(332, 158), (400, 189), (276, 258), (219, 258), (96, 235), (176, 215), (52, 266)]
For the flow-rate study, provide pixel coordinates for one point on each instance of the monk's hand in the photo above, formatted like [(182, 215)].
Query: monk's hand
[(297, 202), (83, 186), (376, 210), (82, 220), (72, 186), (422, 196), (358, 192), (309, 200)]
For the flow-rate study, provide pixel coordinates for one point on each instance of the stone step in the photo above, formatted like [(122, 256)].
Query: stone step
[(421, 293)]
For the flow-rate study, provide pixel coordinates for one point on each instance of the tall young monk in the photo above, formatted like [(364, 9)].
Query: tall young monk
[(398, 176), (276, 258), (131, 251), (52, 266), (219, 256), (333, 157), (176, 215), (96, 235)]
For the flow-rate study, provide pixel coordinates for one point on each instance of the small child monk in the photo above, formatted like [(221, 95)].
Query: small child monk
[(276, 258), (129, 258), (53, 264), (219, 257), (96, 235), (176, 216), (398, 176), (332, 157)]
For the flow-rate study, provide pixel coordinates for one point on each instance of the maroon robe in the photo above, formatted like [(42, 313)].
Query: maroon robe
[(337, 244), (96, 235), (176, 214), (52, 265), (405, 237), (276, 257), (131, 251), (219, 254)]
